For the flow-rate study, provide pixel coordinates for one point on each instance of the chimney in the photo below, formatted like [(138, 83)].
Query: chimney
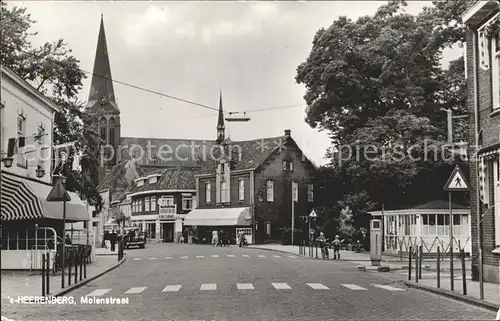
[(288, 132)]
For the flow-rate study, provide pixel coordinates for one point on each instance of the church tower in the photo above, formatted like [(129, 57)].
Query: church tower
[(221, 128), (102, 105)]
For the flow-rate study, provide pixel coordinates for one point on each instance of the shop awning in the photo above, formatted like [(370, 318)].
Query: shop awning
[(23, 199), (231, 216)]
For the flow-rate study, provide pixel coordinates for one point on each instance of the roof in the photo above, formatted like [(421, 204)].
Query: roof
[(120, 177), (168, 152), (253, 153), (6, 72), (180, 178), (101, 85)]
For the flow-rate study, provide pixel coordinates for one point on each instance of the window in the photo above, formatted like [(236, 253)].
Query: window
[(223, 192), (153, 180), (146, 204), (310, 193), (140, 182), (241, 189), (489, 52), (222, 168), (187, 202), (288, 165), (21, 132), (496, 195), (208, 193), (270, 191), (495, 69), (153, 203), (102, 129)]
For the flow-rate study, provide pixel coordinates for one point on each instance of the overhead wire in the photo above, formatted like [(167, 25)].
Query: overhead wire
[(166, 95)]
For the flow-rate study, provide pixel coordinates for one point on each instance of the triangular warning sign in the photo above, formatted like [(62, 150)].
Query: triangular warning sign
[(58, 193), (313, 214), (456, 182)]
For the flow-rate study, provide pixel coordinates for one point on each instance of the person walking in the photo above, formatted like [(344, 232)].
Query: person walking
[(215, 237), (113, 239), (336, 247)]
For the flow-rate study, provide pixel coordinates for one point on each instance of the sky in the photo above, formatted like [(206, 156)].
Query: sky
[(191, 50)]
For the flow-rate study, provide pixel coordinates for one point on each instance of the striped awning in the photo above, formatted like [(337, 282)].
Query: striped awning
[(23, 199)]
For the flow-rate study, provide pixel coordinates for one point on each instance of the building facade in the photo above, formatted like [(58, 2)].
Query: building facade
[(249, 186), (28, 220), (483, 91), (161, 200)]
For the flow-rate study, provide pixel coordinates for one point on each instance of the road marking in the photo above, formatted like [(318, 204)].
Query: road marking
[(184, 257), (99, 292), (168, 257), (152, 258), (245, 286), (171, 288), (318, 286), (135, 290), (199, 256), (353, 287), (230, 255), (281, 286), (261, 256), (244, 255), (137, 259), (208, 287), (215, 255), (387, 287), (276, 256)]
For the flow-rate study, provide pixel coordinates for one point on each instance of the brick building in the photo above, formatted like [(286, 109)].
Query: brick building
[(483, 90), (248, 186)]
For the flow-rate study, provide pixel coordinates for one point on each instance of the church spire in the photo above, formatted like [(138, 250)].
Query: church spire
[(220, 123), (101, 87)]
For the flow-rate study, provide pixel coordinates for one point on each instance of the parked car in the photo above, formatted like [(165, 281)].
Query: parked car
[(134, 238)]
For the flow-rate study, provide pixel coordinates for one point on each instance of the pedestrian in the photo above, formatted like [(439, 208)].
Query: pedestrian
[(336, 247), (67, 240), (113, 239), (215, 237), (220, 238)]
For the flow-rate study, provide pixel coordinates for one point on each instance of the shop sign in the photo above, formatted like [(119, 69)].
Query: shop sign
[(166, 216)]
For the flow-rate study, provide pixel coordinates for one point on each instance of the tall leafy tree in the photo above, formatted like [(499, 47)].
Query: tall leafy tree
[(54, 71), (377, 86)]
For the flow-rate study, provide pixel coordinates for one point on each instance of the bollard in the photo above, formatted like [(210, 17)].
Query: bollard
[(421, 254), (75, 261), (85, 268), (316, 250), (417, 259), (69, 268), (464, 280), (43, 274), (409, 264), (82, 254), (47, 275), (438, 268)]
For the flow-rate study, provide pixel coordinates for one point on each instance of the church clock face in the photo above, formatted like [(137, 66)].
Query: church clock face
[(103, 100)]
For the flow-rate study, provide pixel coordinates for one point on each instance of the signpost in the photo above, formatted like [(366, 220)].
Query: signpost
[(456, 183), (312, 216)]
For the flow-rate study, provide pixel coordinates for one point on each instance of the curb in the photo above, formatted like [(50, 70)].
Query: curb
[(452, 295), (83, 282)]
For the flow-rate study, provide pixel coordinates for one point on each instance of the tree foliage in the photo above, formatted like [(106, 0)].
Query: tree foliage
[(55, 72), (377, 86)]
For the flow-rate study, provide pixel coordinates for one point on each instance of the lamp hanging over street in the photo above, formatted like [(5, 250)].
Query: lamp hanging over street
[(40, 172), (7, 161)]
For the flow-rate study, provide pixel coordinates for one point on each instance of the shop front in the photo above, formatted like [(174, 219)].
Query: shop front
[(231, 221), (163, 227)]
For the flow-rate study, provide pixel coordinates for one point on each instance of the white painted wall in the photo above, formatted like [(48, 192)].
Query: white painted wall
[(18, 97)]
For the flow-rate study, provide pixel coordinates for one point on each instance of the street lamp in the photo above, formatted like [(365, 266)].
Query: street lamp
[(40, 172), (7, 161)]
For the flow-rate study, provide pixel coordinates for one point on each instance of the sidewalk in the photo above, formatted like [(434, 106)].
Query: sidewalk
[(26, 283), (491, 291), (363, 258)]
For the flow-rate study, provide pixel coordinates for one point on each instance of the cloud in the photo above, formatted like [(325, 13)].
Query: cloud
[(142, 28)]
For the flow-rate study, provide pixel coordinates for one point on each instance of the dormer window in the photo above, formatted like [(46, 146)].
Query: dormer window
[(153, 179), (140, 181), (288, 165)]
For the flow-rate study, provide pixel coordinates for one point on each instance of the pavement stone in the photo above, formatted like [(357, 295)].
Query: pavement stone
[(246, 288)]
